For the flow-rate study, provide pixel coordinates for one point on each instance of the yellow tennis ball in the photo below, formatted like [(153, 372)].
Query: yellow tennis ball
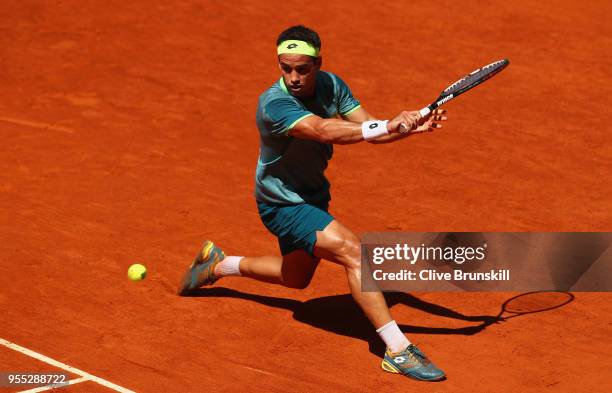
[(137, 272)]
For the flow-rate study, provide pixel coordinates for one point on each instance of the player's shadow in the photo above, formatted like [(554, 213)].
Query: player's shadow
[(341, 315)]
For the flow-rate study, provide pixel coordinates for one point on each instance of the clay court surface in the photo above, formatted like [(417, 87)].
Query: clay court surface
[(128, 135)]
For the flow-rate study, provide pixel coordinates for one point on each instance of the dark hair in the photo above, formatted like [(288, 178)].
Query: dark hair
[(301, 33)]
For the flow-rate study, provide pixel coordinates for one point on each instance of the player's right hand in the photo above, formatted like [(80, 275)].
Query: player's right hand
[(404, 122), (431, 121)]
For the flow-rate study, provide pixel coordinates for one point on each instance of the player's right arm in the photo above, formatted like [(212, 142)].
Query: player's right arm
[(342, 132), (429, 123)]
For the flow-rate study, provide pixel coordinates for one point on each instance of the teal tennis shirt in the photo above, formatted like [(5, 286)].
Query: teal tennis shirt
[(291, 170)]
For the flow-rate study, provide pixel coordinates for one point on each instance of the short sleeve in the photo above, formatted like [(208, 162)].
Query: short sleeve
[(346, 102), (282, 114)]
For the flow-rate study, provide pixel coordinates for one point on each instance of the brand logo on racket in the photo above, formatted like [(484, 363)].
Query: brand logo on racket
[(445, 99)]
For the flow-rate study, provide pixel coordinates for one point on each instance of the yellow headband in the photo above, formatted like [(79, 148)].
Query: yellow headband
[(297, 47)]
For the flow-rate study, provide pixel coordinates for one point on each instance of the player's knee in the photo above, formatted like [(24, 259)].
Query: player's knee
[(297, 282), (351, 252)]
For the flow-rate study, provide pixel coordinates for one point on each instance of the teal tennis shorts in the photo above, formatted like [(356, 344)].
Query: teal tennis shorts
[(295, 226)]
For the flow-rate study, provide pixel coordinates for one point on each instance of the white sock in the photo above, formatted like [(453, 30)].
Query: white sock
[(230, 266), (392, 336)]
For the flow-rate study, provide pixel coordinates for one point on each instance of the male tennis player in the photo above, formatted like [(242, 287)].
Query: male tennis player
[(298, 121)]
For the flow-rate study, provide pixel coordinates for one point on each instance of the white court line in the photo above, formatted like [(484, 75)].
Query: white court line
[(63, 366), (36, 124), (259, 371), (49, 387)]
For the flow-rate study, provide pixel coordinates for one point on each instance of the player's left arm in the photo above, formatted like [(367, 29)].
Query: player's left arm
[(428, 124)]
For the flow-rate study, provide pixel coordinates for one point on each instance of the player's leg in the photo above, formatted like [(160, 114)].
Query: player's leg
[(338, 244), (294, 270), (295, 227)]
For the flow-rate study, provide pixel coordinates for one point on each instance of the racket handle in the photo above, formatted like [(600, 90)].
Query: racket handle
[(425, 111)]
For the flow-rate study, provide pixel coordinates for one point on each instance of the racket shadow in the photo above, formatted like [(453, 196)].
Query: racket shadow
[(534, 302), (340, 314)]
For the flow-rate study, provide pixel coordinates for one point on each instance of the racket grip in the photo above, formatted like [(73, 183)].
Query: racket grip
[(425, 111)]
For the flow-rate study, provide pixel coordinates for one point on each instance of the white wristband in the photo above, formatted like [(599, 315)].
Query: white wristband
[(374, 129)]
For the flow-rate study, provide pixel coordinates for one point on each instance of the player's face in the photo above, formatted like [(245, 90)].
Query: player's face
[(299, 73)]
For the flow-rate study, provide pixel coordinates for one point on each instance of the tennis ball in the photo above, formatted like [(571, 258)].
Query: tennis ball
[(137, 272)]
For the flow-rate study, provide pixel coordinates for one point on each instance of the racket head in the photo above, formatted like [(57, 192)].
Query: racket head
[(537, 301), (475, 78)]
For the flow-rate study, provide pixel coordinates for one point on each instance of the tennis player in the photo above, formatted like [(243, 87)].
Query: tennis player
[(299, 119)]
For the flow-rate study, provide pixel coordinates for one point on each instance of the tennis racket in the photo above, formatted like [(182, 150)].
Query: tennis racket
[(464, 84)]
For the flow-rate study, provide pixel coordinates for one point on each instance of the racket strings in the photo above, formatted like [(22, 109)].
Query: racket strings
[(477, 75)]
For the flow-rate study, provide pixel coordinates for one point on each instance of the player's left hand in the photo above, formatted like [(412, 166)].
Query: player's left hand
[(431, 122)]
